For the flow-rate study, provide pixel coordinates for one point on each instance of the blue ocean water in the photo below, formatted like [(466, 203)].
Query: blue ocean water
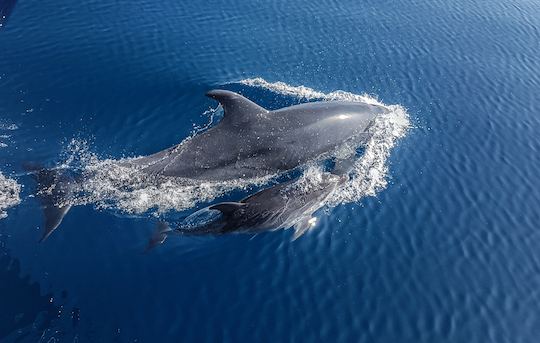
[(446, 251)]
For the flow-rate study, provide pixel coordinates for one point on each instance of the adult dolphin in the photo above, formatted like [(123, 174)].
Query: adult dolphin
[(251, 141)]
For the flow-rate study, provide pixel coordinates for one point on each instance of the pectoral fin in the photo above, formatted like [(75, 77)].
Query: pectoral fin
[(303, 226)]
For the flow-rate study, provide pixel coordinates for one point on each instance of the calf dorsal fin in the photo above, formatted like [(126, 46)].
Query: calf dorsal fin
[(237, 108)]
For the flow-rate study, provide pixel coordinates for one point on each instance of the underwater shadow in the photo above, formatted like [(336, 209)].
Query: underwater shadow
[(21, 302)]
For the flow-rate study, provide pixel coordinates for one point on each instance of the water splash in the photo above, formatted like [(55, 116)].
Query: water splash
[(9, 194)]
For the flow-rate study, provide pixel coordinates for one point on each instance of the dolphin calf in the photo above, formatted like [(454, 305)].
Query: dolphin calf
[(251, 141), (248, 142), (290, 204)]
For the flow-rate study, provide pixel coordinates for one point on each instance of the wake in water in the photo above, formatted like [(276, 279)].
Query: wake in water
[(118, 185)]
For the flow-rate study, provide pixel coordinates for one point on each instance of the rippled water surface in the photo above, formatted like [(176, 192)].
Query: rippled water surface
[(435, 240)]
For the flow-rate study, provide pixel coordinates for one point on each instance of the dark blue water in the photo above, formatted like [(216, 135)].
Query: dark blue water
[(448, 251)]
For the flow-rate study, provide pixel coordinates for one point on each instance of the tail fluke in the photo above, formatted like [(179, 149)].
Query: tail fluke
[(54, 189), (206, 221)]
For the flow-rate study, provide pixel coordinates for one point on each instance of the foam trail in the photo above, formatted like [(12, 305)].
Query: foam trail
[(9, 194), (303, 92)]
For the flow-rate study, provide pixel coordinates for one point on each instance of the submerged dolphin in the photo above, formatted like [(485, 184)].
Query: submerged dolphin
[(251, 141), (248, 142), (285, 205)]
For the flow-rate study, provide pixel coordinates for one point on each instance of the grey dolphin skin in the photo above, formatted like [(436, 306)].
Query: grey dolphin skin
[(248, 142), (251, 141), (278, 207)]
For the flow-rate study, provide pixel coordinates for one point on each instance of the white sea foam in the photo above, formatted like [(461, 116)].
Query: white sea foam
[(9, 194), (110, 184)]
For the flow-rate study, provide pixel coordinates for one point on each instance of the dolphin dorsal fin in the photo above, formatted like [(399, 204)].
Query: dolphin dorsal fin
[(227, 208), (236, 107)]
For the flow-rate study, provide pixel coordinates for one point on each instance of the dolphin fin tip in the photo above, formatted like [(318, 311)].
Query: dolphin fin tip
[(53, 218), (44, 236), (235, 106)]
